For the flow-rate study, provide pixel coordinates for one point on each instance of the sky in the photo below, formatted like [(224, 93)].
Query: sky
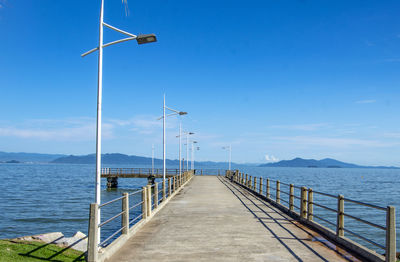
[(274, 79)]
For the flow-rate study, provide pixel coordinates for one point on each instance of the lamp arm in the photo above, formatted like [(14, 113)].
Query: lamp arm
[(119, 30), (108, 44)]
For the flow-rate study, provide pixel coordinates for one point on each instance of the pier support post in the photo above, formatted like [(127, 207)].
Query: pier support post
[(303, 204), (310, 210), (250, 181), (246, 181), (112, 182), (260, 186), (255, 183), (149, 205), (125, 214), (291, 197), (267, 189), (156, 195), (144, 200), (278, 192), (340, 217), (390, 234), (92, 250)]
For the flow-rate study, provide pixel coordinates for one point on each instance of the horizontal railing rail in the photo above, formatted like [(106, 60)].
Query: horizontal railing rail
[(144, 202), (309, 209)]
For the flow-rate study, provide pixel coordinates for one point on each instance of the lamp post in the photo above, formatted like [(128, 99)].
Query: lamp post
[(192, 165), (230, 154), (187, 148), (175, 112), (141, 39)]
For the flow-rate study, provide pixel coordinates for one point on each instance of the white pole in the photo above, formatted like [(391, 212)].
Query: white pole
[(152, 159), (187, 151), (164, 168), (98, 123), (192, 165), (180, 156)]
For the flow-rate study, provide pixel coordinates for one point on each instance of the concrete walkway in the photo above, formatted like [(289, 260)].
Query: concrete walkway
[(212, 219)]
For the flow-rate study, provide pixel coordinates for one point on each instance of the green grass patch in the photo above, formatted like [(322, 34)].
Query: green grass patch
[(26, 251)]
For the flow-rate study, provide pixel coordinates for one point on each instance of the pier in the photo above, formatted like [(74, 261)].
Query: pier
[(234, 217)]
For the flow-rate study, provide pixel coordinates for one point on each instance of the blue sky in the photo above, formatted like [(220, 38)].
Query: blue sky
[(276, 79)]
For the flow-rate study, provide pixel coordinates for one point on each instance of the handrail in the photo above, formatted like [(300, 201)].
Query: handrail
[(364, 204), (325, 207), (111, 201), (307, 212), (364, 238), (365, 221), (147, 202)]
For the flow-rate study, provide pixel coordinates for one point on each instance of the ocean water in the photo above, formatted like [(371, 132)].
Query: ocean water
[(39, 198)]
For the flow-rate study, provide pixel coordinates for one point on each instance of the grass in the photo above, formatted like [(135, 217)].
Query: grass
[(26, 251)]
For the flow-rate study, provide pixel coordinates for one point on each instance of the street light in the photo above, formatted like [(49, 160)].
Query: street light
[(175, 112), (187, 148), (230, 154), (192, 165), (141, 39)]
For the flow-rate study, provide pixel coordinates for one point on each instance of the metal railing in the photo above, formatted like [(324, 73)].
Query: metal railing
[(133, 170), (145, 201), (286, 196)]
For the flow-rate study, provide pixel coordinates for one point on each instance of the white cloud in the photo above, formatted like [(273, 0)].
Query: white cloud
[(271, 158), (366, 101), (333, 142), (303, 127), (79, 129)]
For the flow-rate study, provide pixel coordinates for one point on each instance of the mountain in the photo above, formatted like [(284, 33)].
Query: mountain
[(28, 157), (114, 158), (122, 159), (327, 162)]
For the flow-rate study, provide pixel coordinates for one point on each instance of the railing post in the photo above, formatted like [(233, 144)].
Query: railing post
[(169, 186), (201, 171), (291, 197), (125, 215), (340, 217), (155, 195), (390, 234), (163, 190), (260, 186), (250, 182), (149, 205), (278, 191), (246, 181), (267, 190), (92, 250), (310, 216), (303, 204), (144, 204), (255, 183)]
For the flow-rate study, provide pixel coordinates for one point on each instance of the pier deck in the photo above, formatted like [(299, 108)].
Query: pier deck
[(212, 219)]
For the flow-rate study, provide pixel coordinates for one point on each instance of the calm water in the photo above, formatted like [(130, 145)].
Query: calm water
[(39, 198)]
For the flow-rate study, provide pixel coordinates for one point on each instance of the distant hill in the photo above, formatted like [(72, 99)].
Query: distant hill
[(122, 159), (312, 163), (114, 158), (28, 157)]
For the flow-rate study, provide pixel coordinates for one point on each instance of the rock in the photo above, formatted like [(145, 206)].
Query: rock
[(77, 241), (47, 237)]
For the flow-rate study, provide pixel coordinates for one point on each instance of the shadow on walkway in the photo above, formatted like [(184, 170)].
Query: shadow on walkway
[(265, 214)]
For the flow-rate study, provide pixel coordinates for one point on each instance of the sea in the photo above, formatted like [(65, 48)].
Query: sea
[(41, 198)]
